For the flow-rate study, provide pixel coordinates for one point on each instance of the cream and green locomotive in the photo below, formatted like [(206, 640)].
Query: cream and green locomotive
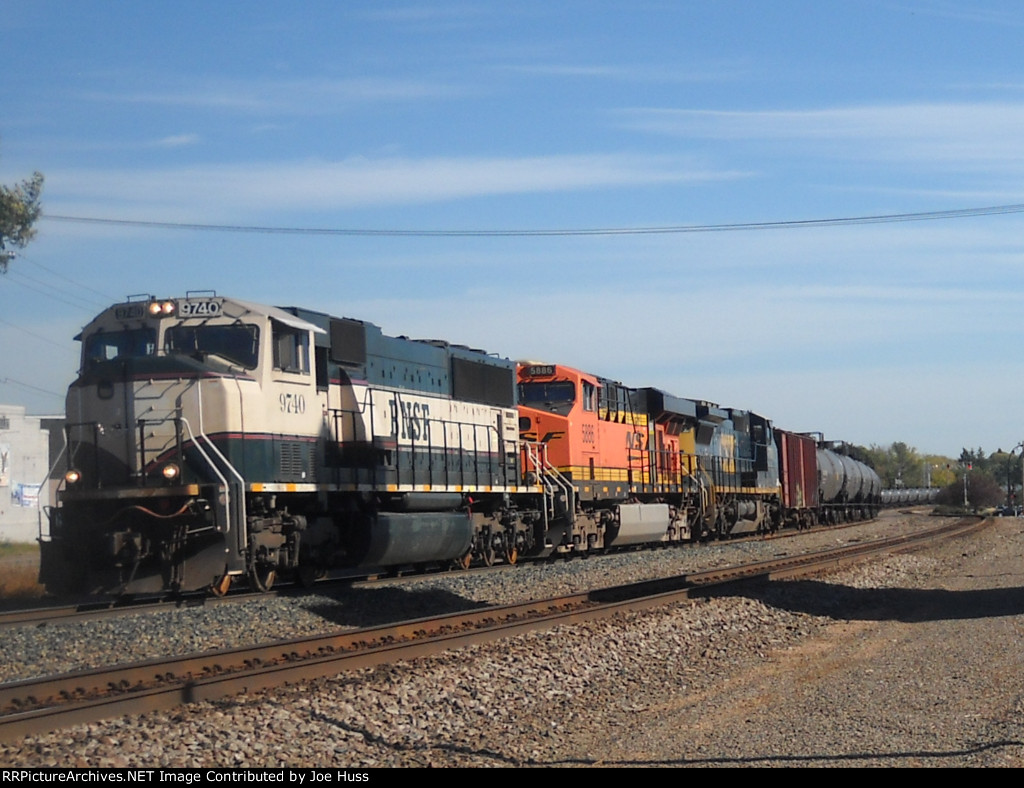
[(210, 438)]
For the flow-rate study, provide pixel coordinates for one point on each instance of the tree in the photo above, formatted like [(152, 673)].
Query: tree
[(1006, 469), (19, 209), (975, 458), (981, 491), (899, 465)]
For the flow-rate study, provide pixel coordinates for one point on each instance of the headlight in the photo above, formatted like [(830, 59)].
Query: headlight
[(161, 308), (170, 471), (73, 476)]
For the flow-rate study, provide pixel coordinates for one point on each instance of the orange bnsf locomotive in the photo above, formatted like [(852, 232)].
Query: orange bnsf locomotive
[(642, 466), (211, 439)]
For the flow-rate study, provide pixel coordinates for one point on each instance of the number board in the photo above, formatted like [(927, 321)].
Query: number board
[(199, 308), (129, 312)]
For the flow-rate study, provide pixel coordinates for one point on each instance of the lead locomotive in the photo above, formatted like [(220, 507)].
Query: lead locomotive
[(211, 438)]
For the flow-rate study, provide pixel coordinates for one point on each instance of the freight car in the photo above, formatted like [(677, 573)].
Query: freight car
[(211, 439), (909, 496), (822, 484)]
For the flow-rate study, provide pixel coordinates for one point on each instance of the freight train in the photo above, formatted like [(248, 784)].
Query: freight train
[(211, 440)]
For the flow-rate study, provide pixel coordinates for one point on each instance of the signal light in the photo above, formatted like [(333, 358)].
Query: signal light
[(170, 471), (73, 476)]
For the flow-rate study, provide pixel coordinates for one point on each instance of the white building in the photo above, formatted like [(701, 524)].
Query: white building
[(24, 466)]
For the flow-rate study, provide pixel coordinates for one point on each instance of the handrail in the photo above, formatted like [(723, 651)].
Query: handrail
[(214, 468), (46, 485), (488, 451), (97, 430), (551, 478)]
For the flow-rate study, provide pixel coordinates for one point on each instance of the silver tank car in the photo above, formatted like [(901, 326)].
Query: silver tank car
[(848, 489)]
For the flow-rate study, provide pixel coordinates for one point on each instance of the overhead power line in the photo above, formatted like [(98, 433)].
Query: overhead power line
[(13, 382), (107, 299), (684, 228), (38, 336)]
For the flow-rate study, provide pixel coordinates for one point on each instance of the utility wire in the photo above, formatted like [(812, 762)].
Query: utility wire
[(13, 382), (686, 228), (20, 277), (38, 336), (49, 292), (107, 299)]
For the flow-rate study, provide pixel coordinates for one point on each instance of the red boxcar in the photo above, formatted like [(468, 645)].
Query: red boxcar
[(798, 466)]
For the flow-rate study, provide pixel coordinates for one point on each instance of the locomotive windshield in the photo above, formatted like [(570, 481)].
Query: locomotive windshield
[(108, 345), (556, 397), (238, 343)]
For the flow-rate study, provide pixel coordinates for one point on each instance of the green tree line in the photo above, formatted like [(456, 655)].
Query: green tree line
[(992, 479)]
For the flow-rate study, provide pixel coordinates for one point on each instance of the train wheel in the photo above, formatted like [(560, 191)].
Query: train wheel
[(466, 561), (488, 553), (262, 576), (220, 587), (511, 552)]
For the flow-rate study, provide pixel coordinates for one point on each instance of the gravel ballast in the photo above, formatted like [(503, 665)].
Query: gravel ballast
[(910, 660)]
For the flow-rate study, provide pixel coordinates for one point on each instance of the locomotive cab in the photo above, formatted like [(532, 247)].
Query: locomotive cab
[(159, 434)]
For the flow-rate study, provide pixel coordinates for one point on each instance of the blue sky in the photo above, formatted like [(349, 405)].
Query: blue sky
[(542, 117)]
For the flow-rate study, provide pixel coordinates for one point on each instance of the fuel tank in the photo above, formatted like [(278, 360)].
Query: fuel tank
[(639, 523), (396, 538)]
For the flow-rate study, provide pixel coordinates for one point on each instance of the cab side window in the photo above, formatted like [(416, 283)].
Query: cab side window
[(589, 396), (291, 349)]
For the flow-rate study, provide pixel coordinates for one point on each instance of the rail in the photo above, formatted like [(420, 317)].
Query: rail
[(49, 703)]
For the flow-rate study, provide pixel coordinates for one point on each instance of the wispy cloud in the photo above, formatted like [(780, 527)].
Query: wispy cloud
[(312, 96), (316, 185), (776, 326), (953, 133), (435, 16), (705, 72), (177, 141)]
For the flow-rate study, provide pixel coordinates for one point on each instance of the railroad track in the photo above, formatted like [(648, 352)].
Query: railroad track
[(61, 611), (41, 705), (99, 608)]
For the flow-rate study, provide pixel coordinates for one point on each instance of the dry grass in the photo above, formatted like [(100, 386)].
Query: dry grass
[(19, 572)]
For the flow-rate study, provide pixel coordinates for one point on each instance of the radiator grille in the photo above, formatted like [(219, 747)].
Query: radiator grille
[(298, 457)]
